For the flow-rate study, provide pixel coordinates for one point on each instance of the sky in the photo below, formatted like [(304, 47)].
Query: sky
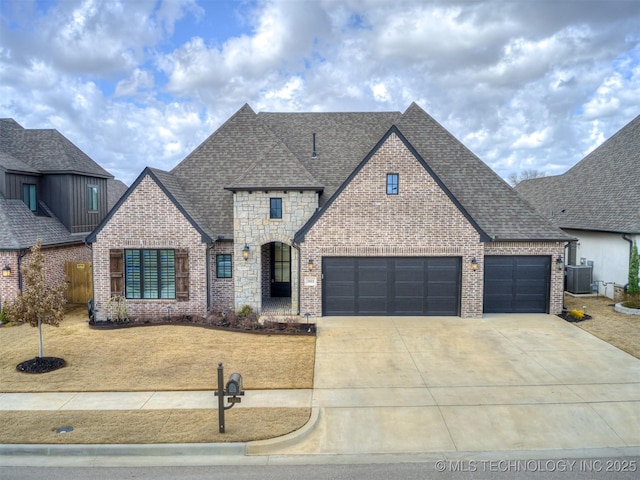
[(524, 84)]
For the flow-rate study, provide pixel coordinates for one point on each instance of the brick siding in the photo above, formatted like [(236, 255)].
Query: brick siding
[(55, 259), (420, 221), (148, 219)]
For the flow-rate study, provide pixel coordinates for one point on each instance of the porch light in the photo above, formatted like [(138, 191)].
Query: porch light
[(474, 264), (6, 271), (310, 264), (559, 263), (245, 252)]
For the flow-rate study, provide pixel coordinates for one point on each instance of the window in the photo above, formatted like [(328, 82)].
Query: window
[(150, 274), (223, 266), (92, 198), (276, 208), (29, 196), (392, 183)]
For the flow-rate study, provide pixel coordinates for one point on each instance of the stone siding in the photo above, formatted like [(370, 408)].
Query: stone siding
[(148, 219), (253, 227)]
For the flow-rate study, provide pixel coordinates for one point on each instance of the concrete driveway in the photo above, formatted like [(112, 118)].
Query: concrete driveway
[(441, 384)]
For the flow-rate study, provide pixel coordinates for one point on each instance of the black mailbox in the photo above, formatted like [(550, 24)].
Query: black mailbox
[(234, 385)]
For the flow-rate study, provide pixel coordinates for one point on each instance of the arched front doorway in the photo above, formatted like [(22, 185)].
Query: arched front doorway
[(276, 278)]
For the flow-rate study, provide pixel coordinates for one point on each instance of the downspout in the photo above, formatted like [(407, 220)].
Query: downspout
[(624, 237), (297, 247), (91, 309), (208, 275), (20, 257)]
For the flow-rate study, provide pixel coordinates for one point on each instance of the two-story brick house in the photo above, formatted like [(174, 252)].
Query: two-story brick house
[(49, 190), (334, 214)]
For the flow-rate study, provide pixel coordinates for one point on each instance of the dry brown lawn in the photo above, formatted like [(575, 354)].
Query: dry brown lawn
[(149, 426), (148, 359), (152, 358), (618, 329)]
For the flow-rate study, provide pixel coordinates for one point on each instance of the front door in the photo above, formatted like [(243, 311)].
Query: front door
[(280, 270)]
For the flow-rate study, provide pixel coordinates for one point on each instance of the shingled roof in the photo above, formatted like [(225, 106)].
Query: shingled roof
[(21, 228), (274, 151), (43, 151), (599, 193)]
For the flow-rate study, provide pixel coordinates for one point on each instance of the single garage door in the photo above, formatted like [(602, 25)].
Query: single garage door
[(391, 286), (516, 284)]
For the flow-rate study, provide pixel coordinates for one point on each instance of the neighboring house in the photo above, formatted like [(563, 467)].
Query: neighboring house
[(49, 189), (328, 214), (598, 202)]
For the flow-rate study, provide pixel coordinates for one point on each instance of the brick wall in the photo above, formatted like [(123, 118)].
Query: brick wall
[(420, 221), (148, 219), (222, 295), (54, 266), (551, 249)]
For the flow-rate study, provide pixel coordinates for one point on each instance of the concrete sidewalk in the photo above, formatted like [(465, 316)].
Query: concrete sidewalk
[(409, 389), (148, 400)]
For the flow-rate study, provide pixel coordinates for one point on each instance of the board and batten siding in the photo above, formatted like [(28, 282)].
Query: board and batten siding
[(67, 196), (13, 185)]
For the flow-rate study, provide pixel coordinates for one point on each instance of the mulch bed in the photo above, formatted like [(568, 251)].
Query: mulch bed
[(41, 365), (267, 328), (572, 319)]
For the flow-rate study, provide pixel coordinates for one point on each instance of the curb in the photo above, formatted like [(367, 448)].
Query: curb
[(122, 450), (267, 447)]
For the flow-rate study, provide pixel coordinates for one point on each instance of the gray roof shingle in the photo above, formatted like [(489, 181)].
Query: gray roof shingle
[(274, 150), (21, 228), (44, 151), (599, 193)]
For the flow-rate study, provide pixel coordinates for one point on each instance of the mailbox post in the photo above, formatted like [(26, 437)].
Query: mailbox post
[(233, 390)]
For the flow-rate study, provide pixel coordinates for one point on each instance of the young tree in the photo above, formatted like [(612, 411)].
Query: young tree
[(38, 303), (634, 283)]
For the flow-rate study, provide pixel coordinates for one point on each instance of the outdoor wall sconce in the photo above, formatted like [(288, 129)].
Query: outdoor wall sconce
[(6, 271), (245, 252), (474, 264), (310, 264), (559, 263)]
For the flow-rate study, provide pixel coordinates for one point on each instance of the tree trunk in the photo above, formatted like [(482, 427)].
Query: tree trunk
[(40, 335)]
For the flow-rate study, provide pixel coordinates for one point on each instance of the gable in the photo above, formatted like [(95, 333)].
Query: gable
[(361, 209), (148, 203)]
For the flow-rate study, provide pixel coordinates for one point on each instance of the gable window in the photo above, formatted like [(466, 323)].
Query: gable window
[(150, 273), (275, 210), (223, 265), (29, 196), (392, 183), (92, 198)]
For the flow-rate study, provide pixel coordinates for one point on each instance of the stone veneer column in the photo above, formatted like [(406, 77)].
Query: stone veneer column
[(253, 227)]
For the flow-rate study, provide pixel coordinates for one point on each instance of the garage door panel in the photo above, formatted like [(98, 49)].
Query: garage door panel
[(393, 286), (516, 284)]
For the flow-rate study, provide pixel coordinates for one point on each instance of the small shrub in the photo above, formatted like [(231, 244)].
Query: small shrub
[(4, 318), (245, 311), (577, 314), (117, 309)]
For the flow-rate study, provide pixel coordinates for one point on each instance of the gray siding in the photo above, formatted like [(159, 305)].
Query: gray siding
[(67, 197), (14, 182)]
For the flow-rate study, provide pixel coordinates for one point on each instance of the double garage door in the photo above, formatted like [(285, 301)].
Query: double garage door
[(391, 286), (431, 285)]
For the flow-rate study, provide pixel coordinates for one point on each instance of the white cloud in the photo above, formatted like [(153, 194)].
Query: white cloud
[(132, 85)]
